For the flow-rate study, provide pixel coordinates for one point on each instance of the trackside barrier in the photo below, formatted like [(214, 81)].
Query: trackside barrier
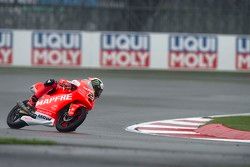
[(129, 50)]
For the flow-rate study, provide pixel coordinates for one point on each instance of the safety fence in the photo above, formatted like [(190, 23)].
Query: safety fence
[(192, 16)]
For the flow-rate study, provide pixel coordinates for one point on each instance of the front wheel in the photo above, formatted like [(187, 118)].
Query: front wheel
[(13, 119), (65, 123)]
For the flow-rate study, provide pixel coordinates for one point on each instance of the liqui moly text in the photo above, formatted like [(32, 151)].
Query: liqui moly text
[(125, 50), (6, 48), (193, 52), (243, 53), (56, 48)]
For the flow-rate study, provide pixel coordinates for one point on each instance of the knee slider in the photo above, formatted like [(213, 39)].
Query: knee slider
[(49, 82)]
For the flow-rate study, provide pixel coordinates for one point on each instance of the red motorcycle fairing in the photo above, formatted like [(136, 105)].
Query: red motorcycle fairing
[(51, 104), (73, 107)]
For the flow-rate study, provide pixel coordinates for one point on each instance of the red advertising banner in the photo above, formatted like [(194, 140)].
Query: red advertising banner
[(56, 48), (6, 48), (243, 53), (193, 52), (125, 50)]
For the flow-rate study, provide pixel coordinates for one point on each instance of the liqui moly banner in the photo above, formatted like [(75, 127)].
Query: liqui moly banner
[(56, 48), (243, 53), (190, 51), (6, 48), (125, 50)]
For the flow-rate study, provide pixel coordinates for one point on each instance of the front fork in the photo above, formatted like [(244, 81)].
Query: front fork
[(73, 108)]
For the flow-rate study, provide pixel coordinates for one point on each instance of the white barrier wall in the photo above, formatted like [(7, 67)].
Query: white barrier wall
[(130, 50)]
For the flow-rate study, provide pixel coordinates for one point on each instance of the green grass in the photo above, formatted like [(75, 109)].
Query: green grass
[(235, 122), (11, 140)]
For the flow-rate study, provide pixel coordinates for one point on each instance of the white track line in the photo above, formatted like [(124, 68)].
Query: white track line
[(231, 115), (165, 126), (182, 126), (167, 132), (178, 122)]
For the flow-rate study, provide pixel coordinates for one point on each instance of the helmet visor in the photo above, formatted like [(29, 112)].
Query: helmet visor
[(98, 92)]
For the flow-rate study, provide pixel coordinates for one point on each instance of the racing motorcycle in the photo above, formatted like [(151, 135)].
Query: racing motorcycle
[(65, 109)]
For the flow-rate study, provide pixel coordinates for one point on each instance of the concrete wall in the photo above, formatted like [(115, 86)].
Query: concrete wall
[(129, 50)]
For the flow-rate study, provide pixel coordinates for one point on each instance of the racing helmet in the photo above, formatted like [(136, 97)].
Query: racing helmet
[(97, 85)]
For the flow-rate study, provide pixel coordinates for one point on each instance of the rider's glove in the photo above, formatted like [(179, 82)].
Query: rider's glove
[(65, 85)]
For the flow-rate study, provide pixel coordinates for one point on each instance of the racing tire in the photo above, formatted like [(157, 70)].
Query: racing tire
[(73, 123), (13, 118)]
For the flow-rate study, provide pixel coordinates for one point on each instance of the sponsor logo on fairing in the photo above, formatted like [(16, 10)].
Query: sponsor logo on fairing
[(6, 49), (56, 48), (43, 117), (54, 99), (243, 53), (193, 52), (125, 50)]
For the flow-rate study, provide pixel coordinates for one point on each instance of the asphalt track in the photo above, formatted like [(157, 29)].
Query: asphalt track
[(130, 97)]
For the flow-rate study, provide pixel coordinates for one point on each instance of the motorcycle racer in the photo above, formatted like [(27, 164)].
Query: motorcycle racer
[(51, 85)]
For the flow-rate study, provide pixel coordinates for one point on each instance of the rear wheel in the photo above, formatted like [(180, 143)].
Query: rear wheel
[(13, 119), (68, 124)]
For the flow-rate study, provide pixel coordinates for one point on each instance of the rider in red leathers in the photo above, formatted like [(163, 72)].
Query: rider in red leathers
[(51, 85)]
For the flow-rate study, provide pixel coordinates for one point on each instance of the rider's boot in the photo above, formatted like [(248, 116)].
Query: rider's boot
[(28, 108)]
